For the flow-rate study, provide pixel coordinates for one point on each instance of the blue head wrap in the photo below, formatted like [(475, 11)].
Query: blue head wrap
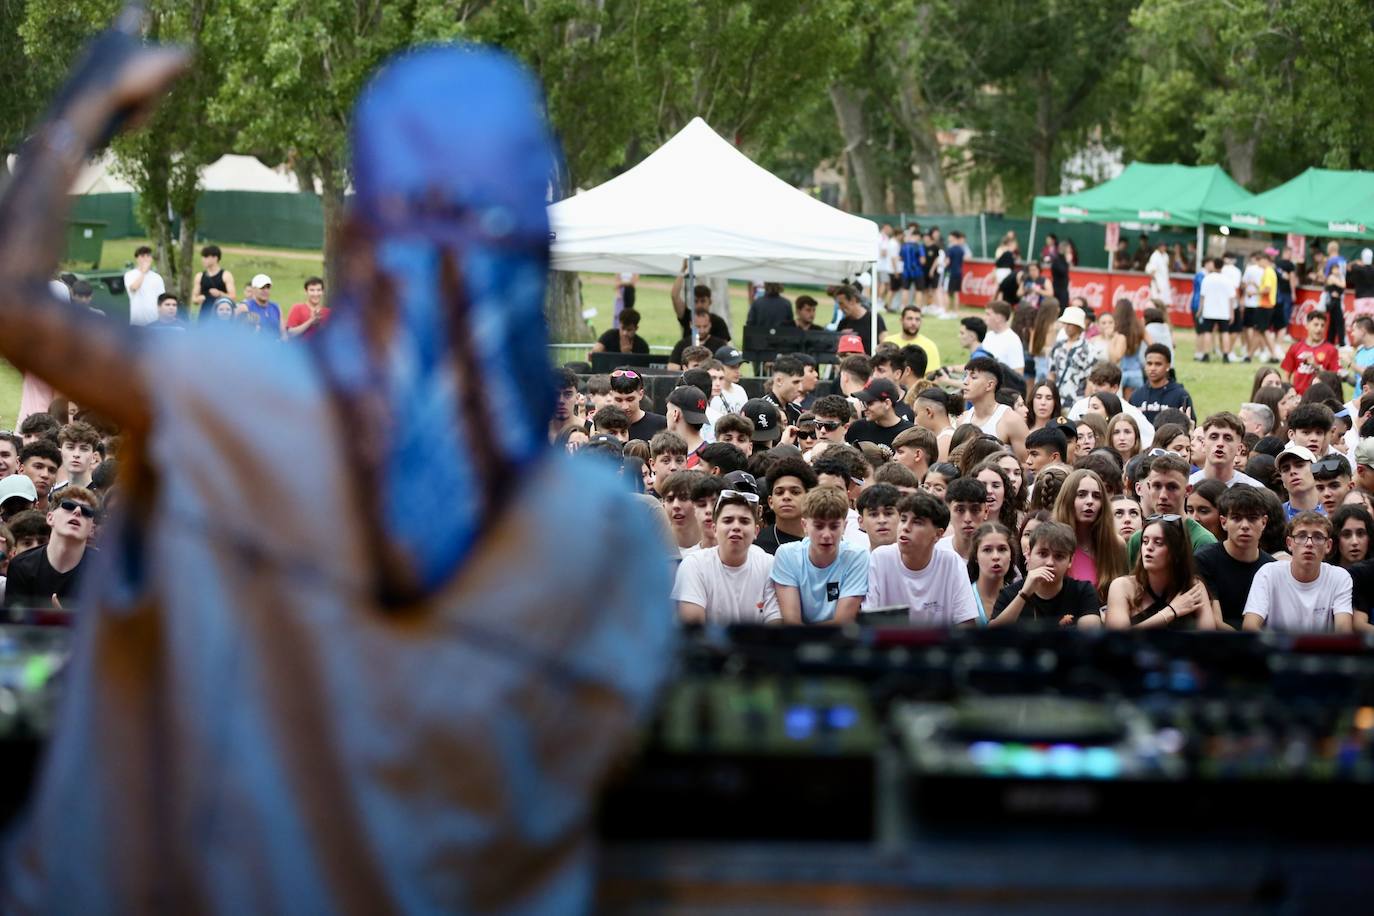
[(452, 163)]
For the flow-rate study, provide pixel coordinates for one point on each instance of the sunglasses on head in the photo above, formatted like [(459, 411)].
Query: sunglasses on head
[(624, 373), (1163, 518), (745, 495), (72, 505), (1156, 452), (1330, 465)]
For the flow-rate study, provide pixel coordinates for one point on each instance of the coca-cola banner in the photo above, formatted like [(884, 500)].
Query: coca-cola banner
[(1100, 287)]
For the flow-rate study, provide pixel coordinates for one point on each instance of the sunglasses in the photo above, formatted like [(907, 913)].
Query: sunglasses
[(752, 498), (1163, 518), (1330, 465), (1156, 452), (72, 505), (828, 425), (624, 373)]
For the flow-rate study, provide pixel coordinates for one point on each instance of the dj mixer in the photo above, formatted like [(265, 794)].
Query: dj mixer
[(892, 749)]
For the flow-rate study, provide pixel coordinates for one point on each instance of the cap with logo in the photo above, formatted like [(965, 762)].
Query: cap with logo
[(729, 355), (1296, 451), (879, 389), (691, 401), (766, 419), (741, 480), (849, 343)]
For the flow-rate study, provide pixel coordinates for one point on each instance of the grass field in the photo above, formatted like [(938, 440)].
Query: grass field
[(1213, 386)]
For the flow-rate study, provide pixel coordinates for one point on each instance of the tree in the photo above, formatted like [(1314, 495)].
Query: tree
[(25, 86), (164, 159)]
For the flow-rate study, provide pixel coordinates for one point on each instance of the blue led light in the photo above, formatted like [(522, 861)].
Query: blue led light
[(1101, 763), (1065, 760), (800, 722), (842, 717)]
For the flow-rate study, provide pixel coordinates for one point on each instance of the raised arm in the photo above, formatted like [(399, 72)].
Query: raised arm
[(89, 359)]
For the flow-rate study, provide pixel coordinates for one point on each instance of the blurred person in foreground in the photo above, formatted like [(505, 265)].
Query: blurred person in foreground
[(262, 658)]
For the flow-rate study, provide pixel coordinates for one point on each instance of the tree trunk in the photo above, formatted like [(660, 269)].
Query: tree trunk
[(1042, 142), (849, 104), (186, 249), (332, 183), (563, 310), (1240, 154), (914, 115)]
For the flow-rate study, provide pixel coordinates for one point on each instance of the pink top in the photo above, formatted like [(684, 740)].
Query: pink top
[(1083, 567)]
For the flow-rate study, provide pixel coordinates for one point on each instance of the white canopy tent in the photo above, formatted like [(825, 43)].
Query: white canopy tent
[(246, 173), (698, 197)]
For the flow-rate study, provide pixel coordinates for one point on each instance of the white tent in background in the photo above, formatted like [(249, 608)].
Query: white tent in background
[(699, 196), (97, 176), (246, 173)]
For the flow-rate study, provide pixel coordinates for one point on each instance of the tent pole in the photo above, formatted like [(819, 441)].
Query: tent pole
[(983, 230), (872, 307), (1200, 253), (689, 297), (1030, 243)]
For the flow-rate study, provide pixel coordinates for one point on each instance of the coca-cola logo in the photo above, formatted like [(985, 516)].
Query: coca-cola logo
[(980, 283)]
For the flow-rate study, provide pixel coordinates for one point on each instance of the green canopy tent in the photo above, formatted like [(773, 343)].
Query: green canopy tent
[(1319, 202), (1175, 195)]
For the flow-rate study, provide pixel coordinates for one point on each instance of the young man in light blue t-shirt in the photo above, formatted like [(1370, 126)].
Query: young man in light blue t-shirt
[(821, 578)]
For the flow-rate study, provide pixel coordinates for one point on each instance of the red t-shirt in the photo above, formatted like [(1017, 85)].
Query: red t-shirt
[(1323, 357), (300, 314)]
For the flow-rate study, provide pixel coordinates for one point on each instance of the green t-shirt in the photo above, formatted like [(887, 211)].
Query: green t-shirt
[(1199, 535)]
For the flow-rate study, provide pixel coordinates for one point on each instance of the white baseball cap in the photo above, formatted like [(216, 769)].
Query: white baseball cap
[(260, 280)]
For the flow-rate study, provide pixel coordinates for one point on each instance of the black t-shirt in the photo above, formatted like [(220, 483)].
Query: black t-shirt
[(719, 327), (32, 581), (863, 326), (769, 312), (1362, 580), (790, 412), (645, 427), (868, 431), (771, 538), (1059, 278), (1284, 268), (611, 342), (1360, 278), (1009, 290), (1076, 597), (1228, 579), (1006, 261), (711, 343)]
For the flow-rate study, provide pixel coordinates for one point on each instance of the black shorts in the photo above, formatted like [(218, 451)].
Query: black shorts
[(897, 282), (1208, 325), (1238, 322), (1254, 318)]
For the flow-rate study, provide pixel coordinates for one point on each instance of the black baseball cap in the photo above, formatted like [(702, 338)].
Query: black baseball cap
[(691, 401), (729, 355), (879, 389), (766, 419)]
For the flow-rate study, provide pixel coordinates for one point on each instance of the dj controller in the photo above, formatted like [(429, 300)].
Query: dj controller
[(852, 761), (894, 770)]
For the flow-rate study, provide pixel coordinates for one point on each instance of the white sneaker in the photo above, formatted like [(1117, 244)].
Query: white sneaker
[(1233, 358)]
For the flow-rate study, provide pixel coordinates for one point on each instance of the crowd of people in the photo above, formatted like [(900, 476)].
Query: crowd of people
[(1058, 475)]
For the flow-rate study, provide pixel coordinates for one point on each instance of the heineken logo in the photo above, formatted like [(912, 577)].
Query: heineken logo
[(1247, 219), (1072, 211), (1154, 214), (1345, 227)]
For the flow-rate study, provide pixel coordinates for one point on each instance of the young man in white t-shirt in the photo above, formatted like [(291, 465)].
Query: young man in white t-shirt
[(144, 285), (1303, 595), (1001, 341), (675, 492), (967, 501), (726, 583), (1216, 308), (1254, 334), (932, 584)]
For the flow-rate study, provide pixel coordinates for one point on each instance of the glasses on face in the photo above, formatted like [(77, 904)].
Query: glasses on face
[(1309, 537), (828, 425), (72, 505), (748, 497), (624, 373)]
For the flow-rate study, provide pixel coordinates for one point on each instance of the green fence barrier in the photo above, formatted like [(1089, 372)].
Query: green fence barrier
[(235, 217)]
